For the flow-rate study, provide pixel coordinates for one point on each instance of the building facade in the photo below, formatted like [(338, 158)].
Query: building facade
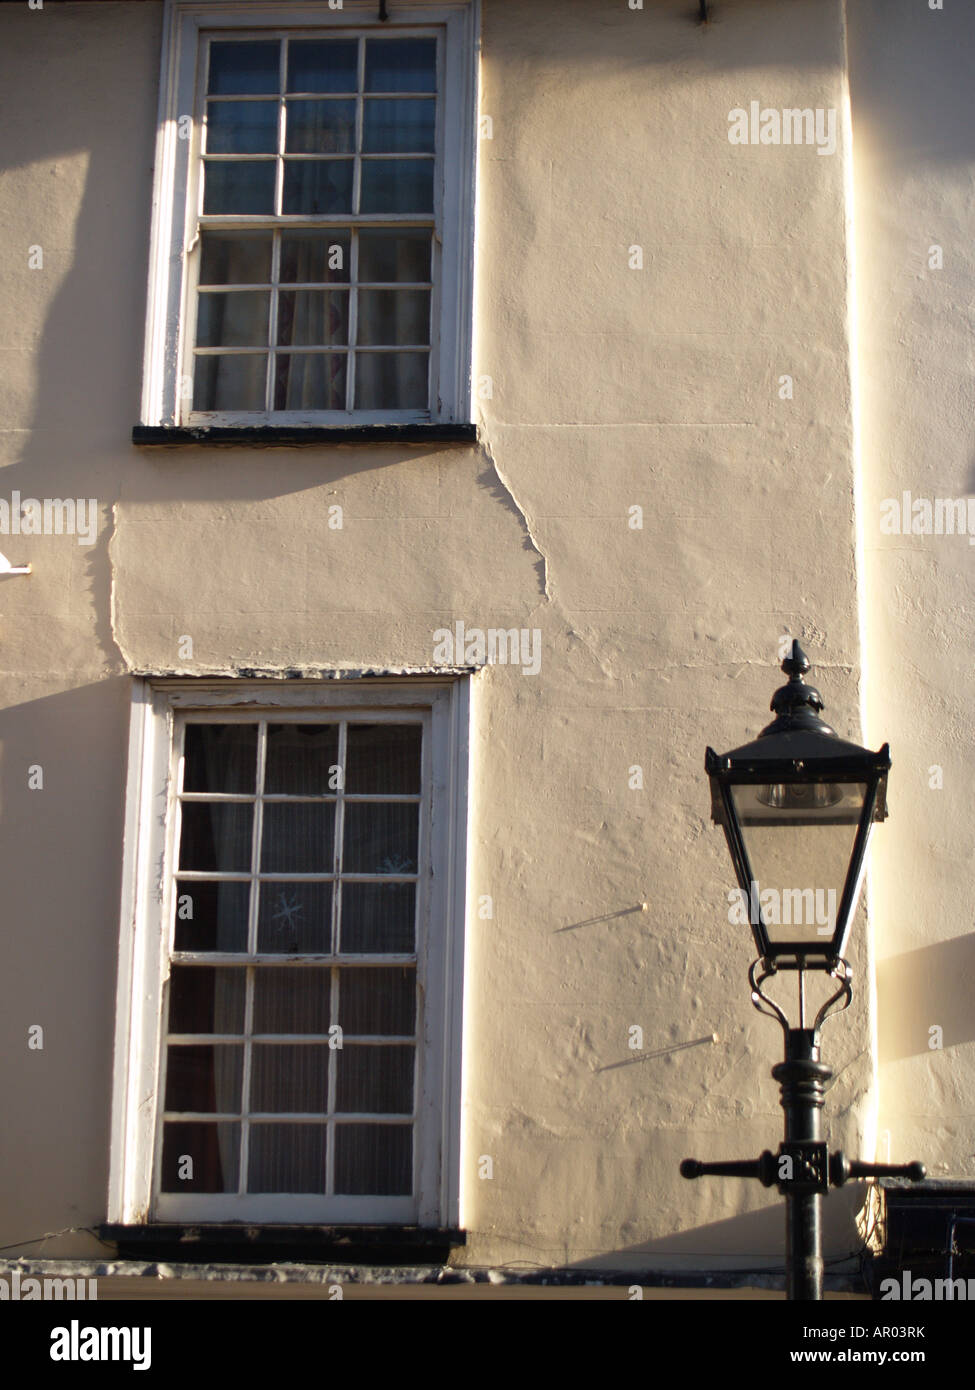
[(428, 425)]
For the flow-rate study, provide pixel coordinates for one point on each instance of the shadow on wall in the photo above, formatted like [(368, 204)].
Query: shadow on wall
[(909, 67), (918, 992), (60, 868), (748, 1237)]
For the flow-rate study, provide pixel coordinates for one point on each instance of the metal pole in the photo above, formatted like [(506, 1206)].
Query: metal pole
[(802, 1077)]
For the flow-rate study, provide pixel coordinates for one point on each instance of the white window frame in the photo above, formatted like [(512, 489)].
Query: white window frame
[(148, 875), (174, 246)]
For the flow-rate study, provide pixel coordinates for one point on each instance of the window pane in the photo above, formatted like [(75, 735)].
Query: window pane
[(230, 383), (297, 837), (374, 1159), (239, 186), (211, 916), (300, 759), (397, 185), (216, 836), (295, 917), (380, 838), (383, 759), (287, 1158), (204, 1079), (390, 317), (244, 127), (220, 758), (213, 1151), (306, 318), (205, 999), (315, 257), (378, 1001), (378, 917), (292, 1001), (289, 1079), (374, 1080), (235, 258), (391, 381), (233, 319), (244, 68), (394, 254), (310, 381), (322, 65), (398, 127), (317, 186), (320, 127), (401, 65)]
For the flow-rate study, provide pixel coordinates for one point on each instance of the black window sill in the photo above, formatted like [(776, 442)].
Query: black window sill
[(264, 1244), (299, 436)]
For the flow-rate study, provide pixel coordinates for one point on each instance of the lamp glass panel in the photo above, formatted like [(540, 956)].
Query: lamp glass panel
[(799, 838)]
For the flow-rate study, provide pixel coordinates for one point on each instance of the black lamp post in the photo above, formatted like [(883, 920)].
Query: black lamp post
[(797, 806)]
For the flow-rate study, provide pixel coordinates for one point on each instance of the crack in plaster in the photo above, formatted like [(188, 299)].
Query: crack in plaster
[(548, 588), (113, 618), (525, 519)]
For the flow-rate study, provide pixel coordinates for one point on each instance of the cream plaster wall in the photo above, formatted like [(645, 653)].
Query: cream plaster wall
[(914, 140), (613, 387)]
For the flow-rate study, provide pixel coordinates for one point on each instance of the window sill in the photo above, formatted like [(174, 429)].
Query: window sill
[(299, 436), (242, 1242)]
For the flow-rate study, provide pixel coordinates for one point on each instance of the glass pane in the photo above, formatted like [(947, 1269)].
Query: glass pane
[(239, 186), (310, 381), (391, 317), (289, 1079), (200, 1157), (302, 759), (380, 838), (383, 759), (322, 65), (398, 127), (378, 917), (244, 68), (287, 1158), (374, 1159), (401, 65), (204, 1079), (211, 916), (799, 841), (320, 127), (378, 1001), (394, 254), (392, 381), (233, 319), (206, 999), (216, 836), (396, 185), (317, 186), (230, 383), (310, 319), (295, 917), (220, 758), (243, 127), (374, 1080), (235, 258), (298, 837), (292, 1001), (315, 257)]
